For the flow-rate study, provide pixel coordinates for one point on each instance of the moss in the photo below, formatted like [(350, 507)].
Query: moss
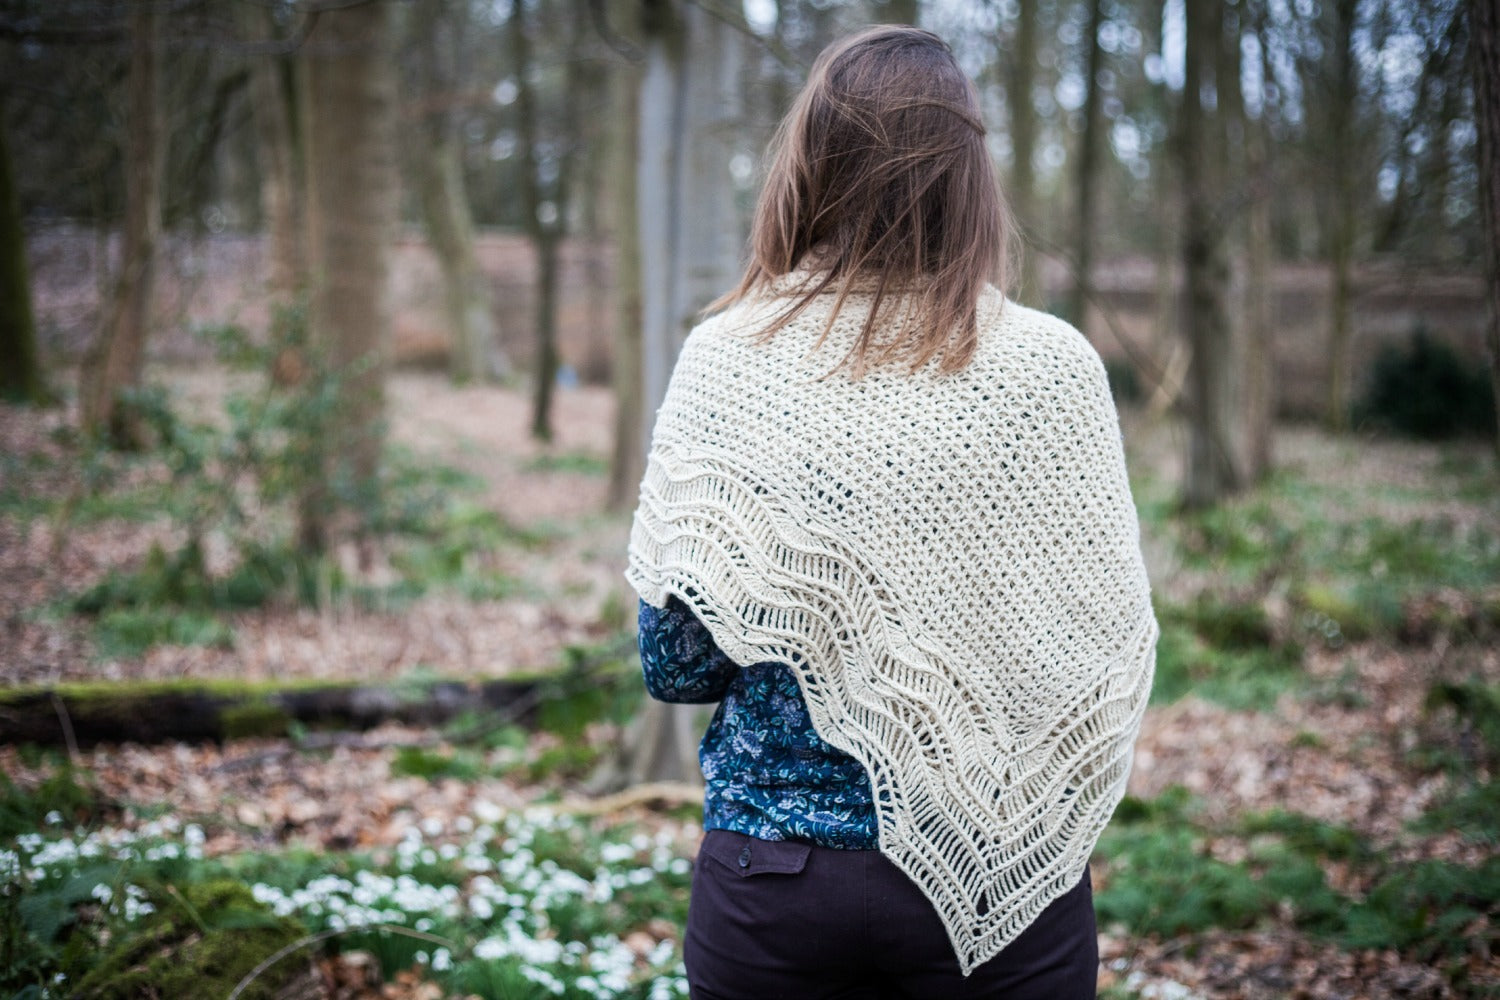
[(1334, 615), (200, 942), (258, 718)]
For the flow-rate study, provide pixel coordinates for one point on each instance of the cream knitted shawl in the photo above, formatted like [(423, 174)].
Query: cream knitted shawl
[(950, 564)]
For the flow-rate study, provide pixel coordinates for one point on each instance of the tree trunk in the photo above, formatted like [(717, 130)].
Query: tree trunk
[(661, 128), (1021, 62), (1212, 469), (117, 361), (352, 205), (1260, 360), (1485, 53), (1339, 203), (628, 457), (1083, 247), (467, 305), (271, 110), (1260, 293), (20, 366), (466, 294), (689, 243), (546, 363), (546, 211)]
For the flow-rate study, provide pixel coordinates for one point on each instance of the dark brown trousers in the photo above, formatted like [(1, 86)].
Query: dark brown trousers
[(791, 921)]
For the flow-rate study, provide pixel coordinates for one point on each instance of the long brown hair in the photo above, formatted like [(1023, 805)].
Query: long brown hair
[(880, 180)]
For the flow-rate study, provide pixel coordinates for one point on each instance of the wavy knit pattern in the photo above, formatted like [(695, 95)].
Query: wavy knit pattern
[(949, 563)]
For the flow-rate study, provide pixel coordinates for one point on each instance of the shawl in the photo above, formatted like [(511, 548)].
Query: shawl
[(949, 563)]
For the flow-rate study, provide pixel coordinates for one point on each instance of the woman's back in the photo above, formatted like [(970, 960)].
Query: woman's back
[(874, 472)]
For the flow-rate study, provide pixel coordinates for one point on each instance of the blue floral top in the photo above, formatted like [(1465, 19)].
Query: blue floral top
[(768, 773)]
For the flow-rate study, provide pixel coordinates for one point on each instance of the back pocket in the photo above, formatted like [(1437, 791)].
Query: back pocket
[(746, 856)]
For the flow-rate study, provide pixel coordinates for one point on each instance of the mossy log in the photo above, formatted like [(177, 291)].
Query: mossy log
[(87, 714)]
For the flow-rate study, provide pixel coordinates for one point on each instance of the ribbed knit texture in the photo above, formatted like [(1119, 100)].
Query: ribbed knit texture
[(950, 564)]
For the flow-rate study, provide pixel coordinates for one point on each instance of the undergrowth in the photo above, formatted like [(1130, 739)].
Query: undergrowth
[(1168, 872), (1293, 566), (237, 482), (499, 905)]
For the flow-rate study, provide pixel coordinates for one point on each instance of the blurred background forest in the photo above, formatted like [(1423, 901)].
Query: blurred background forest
[(330, 336)]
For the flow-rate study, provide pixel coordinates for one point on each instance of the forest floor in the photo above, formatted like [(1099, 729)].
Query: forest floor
[(1313, 808)]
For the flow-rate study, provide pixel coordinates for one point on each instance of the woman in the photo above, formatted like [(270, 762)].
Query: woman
[(885, 523)]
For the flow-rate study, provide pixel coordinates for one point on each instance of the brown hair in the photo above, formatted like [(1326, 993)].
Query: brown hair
[(880, 179)]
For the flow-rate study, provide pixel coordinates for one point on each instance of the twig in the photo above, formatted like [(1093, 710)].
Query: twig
[(67, 727), (192, 911), (322, 936), (618, 44), (736, 20), (675, 793), (1093, 298)]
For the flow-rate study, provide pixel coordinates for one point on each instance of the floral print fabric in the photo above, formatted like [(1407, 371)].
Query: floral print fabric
[(768, 773)]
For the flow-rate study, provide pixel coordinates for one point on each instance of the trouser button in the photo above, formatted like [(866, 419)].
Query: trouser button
[(745, 857)]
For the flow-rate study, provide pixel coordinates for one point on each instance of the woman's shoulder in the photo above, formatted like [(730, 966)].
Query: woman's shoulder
[(1010, 329)]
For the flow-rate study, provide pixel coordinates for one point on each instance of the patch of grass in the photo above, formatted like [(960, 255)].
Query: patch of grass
[(576, 462), (1334, 617), (129, 632), (1161, 877), (1475, 707), (1162, 881), (420, 762), (1427, 910), (1250, 671), (1470, 808), (1243, 540), (66, 796), (1462, 741), (1308, 835)]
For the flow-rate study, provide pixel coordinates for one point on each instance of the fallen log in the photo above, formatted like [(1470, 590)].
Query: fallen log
[(82, 715)]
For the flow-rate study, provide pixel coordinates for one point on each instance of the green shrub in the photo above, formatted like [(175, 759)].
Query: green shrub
[(1476, 705), (1424, 910), (1425, 389), (1472, 809), (1124, 381), (244, 480)]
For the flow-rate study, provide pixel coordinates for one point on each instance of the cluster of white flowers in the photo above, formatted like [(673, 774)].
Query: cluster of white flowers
[(510, 887), (516, 894), (368, 899), (155, 841), (37, 859)]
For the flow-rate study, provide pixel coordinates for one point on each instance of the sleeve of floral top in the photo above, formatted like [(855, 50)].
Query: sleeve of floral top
[(679, 658)]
